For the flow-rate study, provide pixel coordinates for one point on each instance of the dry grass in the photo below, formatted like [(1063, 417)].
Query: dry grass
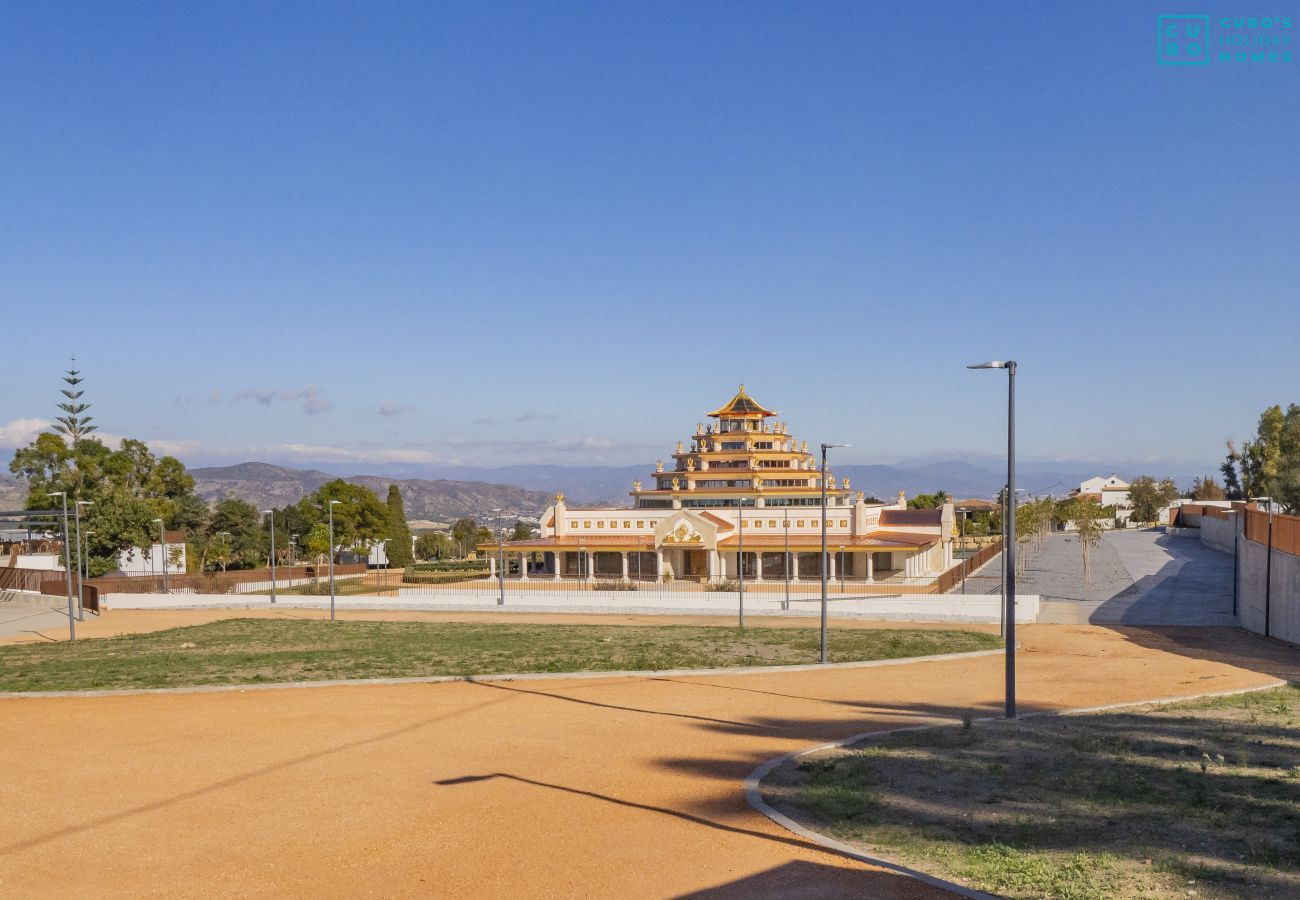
[(243, 650), (1199, 799)]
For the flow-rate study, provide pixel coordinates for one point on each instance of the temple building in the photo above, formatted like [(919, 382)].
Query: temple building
[(739, 481)]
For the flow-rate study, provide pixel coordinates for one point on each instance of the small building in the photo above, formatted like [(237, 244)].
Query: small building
[(1109, 491), (137, 561), (740, 480)]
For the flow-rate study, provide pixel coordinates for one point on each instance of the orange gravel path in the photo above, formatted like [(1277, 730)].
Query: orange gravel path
[(580, 788)]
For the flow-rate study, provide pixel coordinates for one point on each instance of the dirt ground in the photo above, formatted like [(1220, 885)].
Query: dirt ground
[(627, 787)]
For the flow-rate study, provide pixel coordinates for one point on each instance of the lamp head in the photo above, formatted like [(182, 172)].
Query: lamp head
[(268, 512), (335, 502), (159, 521), (85, 502), (991, 364), (832, 446), (56, 493)]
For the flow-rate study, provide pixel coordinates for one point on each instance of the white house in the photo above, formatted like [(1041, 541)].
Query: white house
[(141, 562)]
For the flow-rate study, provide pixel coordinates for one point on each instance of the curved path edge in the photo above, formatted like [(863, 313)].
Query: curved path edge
[(517, 676), (754, 793)]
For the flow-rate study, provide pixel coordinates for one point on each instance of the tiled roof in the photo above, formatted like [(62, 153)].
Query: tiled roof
[(742, 405), (911, 516)]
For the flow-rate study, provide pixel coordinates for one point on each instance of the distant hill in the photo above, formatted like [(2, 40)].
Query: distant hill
[(265, 486)]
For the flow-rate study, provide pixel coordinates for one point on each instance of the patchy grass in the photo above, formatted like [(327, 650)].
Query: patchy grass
[(244, 651), (1197, 799)]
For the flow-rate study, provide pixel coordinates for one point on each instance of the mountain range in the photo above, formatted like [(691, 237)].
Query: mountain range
[(266, 486), (450, 492)]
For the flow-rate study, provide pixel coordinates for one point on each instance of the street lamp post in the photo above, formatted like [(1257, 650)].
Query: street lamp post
[(1009, 548), (501, 557), (67, 564), (332, 504), (81, 590), (162, 551), (786, 606), (825, 650), (225, 549), (271, 513), (740, 556)]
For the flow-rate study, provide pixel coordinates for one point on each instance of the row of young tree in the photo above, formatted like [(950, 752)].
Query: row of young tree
[(124, 492)]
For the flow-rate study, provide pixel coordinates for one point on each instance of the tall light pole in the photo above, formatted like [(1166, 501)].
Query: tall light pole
[(225, 548), (67, 563), (825, 650), (162, 551), (81, 592), (740, 556), (331, 505), (501, 556), (787, 558), (1009, 549), (271, 513)]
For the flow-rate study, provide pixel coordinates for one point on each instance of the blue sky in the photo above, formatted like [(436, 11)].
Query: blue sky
[(375, 234)]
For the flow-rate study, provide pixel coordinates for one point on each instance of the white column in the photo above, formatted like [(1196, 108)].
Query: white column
[(659, 565), (523, 566), (492, 567), (624, 555), (793, 562), (758, 567), (713, 565), (830, 564), (871, 575), (559, 564)]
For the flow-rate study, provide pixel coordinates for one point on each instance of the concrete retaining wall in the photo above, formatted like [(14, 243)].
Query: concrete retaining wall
[(1219, 534), (1253, 595)]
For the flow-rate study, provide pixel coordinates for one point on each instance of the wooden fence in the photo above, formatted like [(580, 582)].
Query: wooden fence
[(215, 582), (950, 579), (1286, 530), (16, 579)]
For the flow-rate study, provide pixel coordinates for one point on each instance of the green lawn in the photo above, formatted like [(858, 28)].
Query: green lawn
[(244, 651), (1192, 800)]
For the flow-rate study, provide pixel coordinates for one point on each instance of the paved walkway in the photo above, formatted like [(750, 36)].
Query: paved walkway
[(32, 617), (1137, 577), (595, 788)]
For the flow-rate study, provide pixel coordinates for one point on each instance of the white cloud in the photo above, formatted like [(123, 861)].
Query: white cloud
[(321, 453), (310, 397), (21, 432), (391, 408), (531, 415)]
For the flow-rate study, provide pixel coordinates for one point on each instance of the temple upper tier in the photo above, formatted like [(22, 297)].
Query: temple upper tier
[(742, 458)]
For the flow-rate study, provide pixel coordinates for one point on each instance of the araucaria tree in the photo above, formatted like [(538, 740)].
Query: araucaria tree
[(399, 534), (72, 424)]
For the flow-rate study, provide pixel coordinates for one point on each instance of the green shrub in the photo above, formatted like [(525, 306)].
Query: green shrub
[(726, 584), (616, 586)]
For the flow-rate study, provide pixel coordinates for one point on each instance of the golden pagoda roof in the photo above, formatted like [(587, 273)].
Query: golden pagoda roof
[(742, 405)]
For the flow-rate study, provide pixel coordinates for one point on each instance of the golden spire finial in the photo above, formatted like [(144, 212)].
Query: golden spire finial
[(559, 498), (742, 387)]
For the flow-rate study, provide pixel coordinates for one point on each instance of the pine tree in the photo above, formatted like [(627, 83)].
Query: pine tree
[(399, 535), (72, 423)]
